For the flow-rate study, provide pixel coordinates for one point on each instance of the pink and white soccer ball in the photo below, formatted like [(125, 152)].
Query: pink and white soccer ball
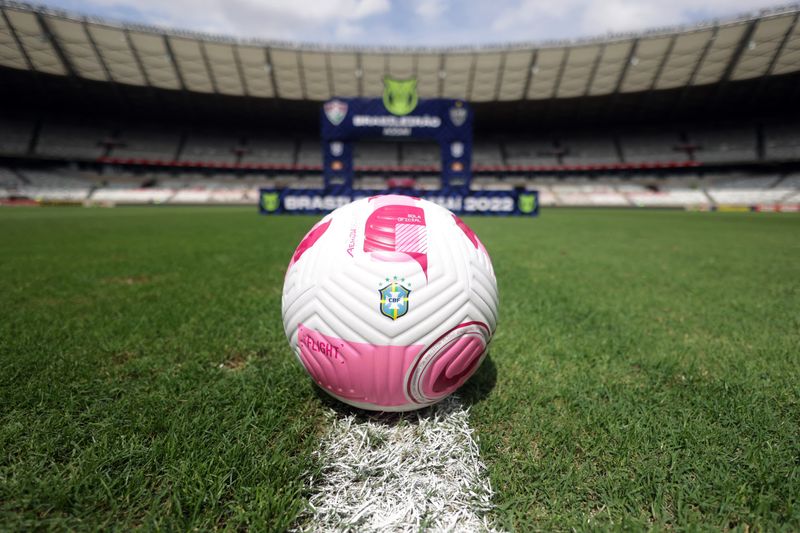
[(390, 303)]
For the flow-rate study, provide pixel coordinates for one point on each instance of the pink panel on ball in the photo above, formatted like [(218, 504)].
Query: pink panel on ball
[(397, 232), (453, 366), (470, 234), (357, 371), (308, 241)]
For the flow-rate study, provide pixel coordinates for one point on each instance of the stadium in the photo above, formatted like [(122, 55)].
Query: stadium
[(699, 117), (644, 370)]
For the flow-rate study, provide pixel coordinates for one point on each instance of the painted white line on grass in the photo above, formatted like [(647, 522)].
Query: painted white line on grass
[(400, 472)]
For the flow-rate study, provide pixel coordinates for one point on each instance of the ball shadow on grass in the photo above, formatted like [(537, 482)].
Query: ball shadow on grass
[(475, 390)]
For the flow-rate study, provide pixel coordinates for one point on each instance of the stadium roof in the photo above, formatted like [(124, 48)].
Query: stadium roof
[(57, 43)]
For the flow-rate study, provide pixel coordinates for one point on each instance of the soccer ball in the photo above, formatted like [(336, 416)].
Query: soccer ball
[(390, 302)]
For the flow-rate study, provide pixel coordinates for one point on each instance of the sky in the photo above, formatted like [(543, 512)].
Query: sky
[(412, 22)]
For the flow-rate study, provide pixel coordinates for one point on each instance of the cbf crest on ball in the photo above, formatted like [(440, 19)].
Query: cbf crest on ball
[(390, 303), (394, 299)]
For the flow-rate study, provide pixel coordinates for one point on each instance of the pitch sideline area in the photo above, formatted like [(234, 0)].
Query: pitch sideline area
[(644, 372)]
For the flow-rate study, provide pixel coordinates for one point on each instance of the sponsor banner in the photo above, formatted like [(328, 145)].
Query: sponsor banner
[(733, 208), (777, 208), (316, 201)]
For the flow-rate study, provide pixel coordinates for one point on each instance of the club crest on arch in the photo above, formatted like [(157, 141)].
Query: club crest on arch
[(458, 114), (394, 299), (335, 111), (400, 96)]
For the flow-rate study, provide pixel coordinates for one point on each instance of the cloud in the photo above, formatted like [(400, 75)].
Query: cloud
[(430, 10), (413, 22), (271, 19), (347, 31), (542, 19), (367, 8), (624, 15)]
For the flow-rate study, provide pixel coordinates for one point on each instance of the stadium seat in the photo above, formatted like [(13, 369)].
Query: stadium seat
[(151, 143), (782, 141), (269, 150), (72, 140), (9, 179), (724, 144), (487, 153), (309, 153), (749, 197), (790, 181), (745, 182), (588, 149), (531, 152), (420, 154), (15, 136), (650, 145), (376, 154), (370, 182), (209, 147)]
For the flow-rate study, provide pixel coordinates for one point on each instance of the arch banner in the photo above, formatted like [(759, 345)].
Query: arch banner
[(398, 115), (345, 121)]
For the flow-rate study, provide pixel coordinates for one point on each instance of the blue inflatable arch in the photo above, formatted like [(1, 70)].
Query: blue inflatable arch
[(345, 121)]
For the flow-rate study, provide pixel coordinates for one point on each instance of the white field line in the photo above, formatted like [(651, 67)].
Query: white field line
[(400, 472)]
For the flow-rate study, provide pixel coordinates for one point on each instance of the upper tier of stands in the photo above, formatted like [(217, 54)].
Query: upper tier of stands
[(54, 43), (82, 141)]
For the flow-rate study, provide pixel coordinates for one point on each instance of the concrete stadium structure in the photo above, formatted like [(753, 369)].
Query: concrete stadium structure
[(56, 43), (690, 108)]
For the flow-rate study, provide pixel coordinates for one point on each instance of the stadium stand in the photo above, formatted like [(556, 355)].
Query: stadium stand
[(428, 183), (9, 179), (131, 196), (746, 182), (148, 143), (723, 145), (370, 182), (546, 197), (647, 190), (748, 197), (305, 182), (782, 141), (15, 136), (695, 117), (376, 154), (309, 153), (54, 179), (419, 154), (487, 153), (71, 140), (792, 201), (791, 181), (259, 149), (210, 147), (588, 195), (669, 198), (639, 146), (539, 151), (490, 183), (52, 185), (589, 149)]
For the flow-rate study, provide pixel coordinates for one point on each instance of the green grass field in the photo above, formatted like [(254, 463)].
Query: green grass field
[(645, 371)]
